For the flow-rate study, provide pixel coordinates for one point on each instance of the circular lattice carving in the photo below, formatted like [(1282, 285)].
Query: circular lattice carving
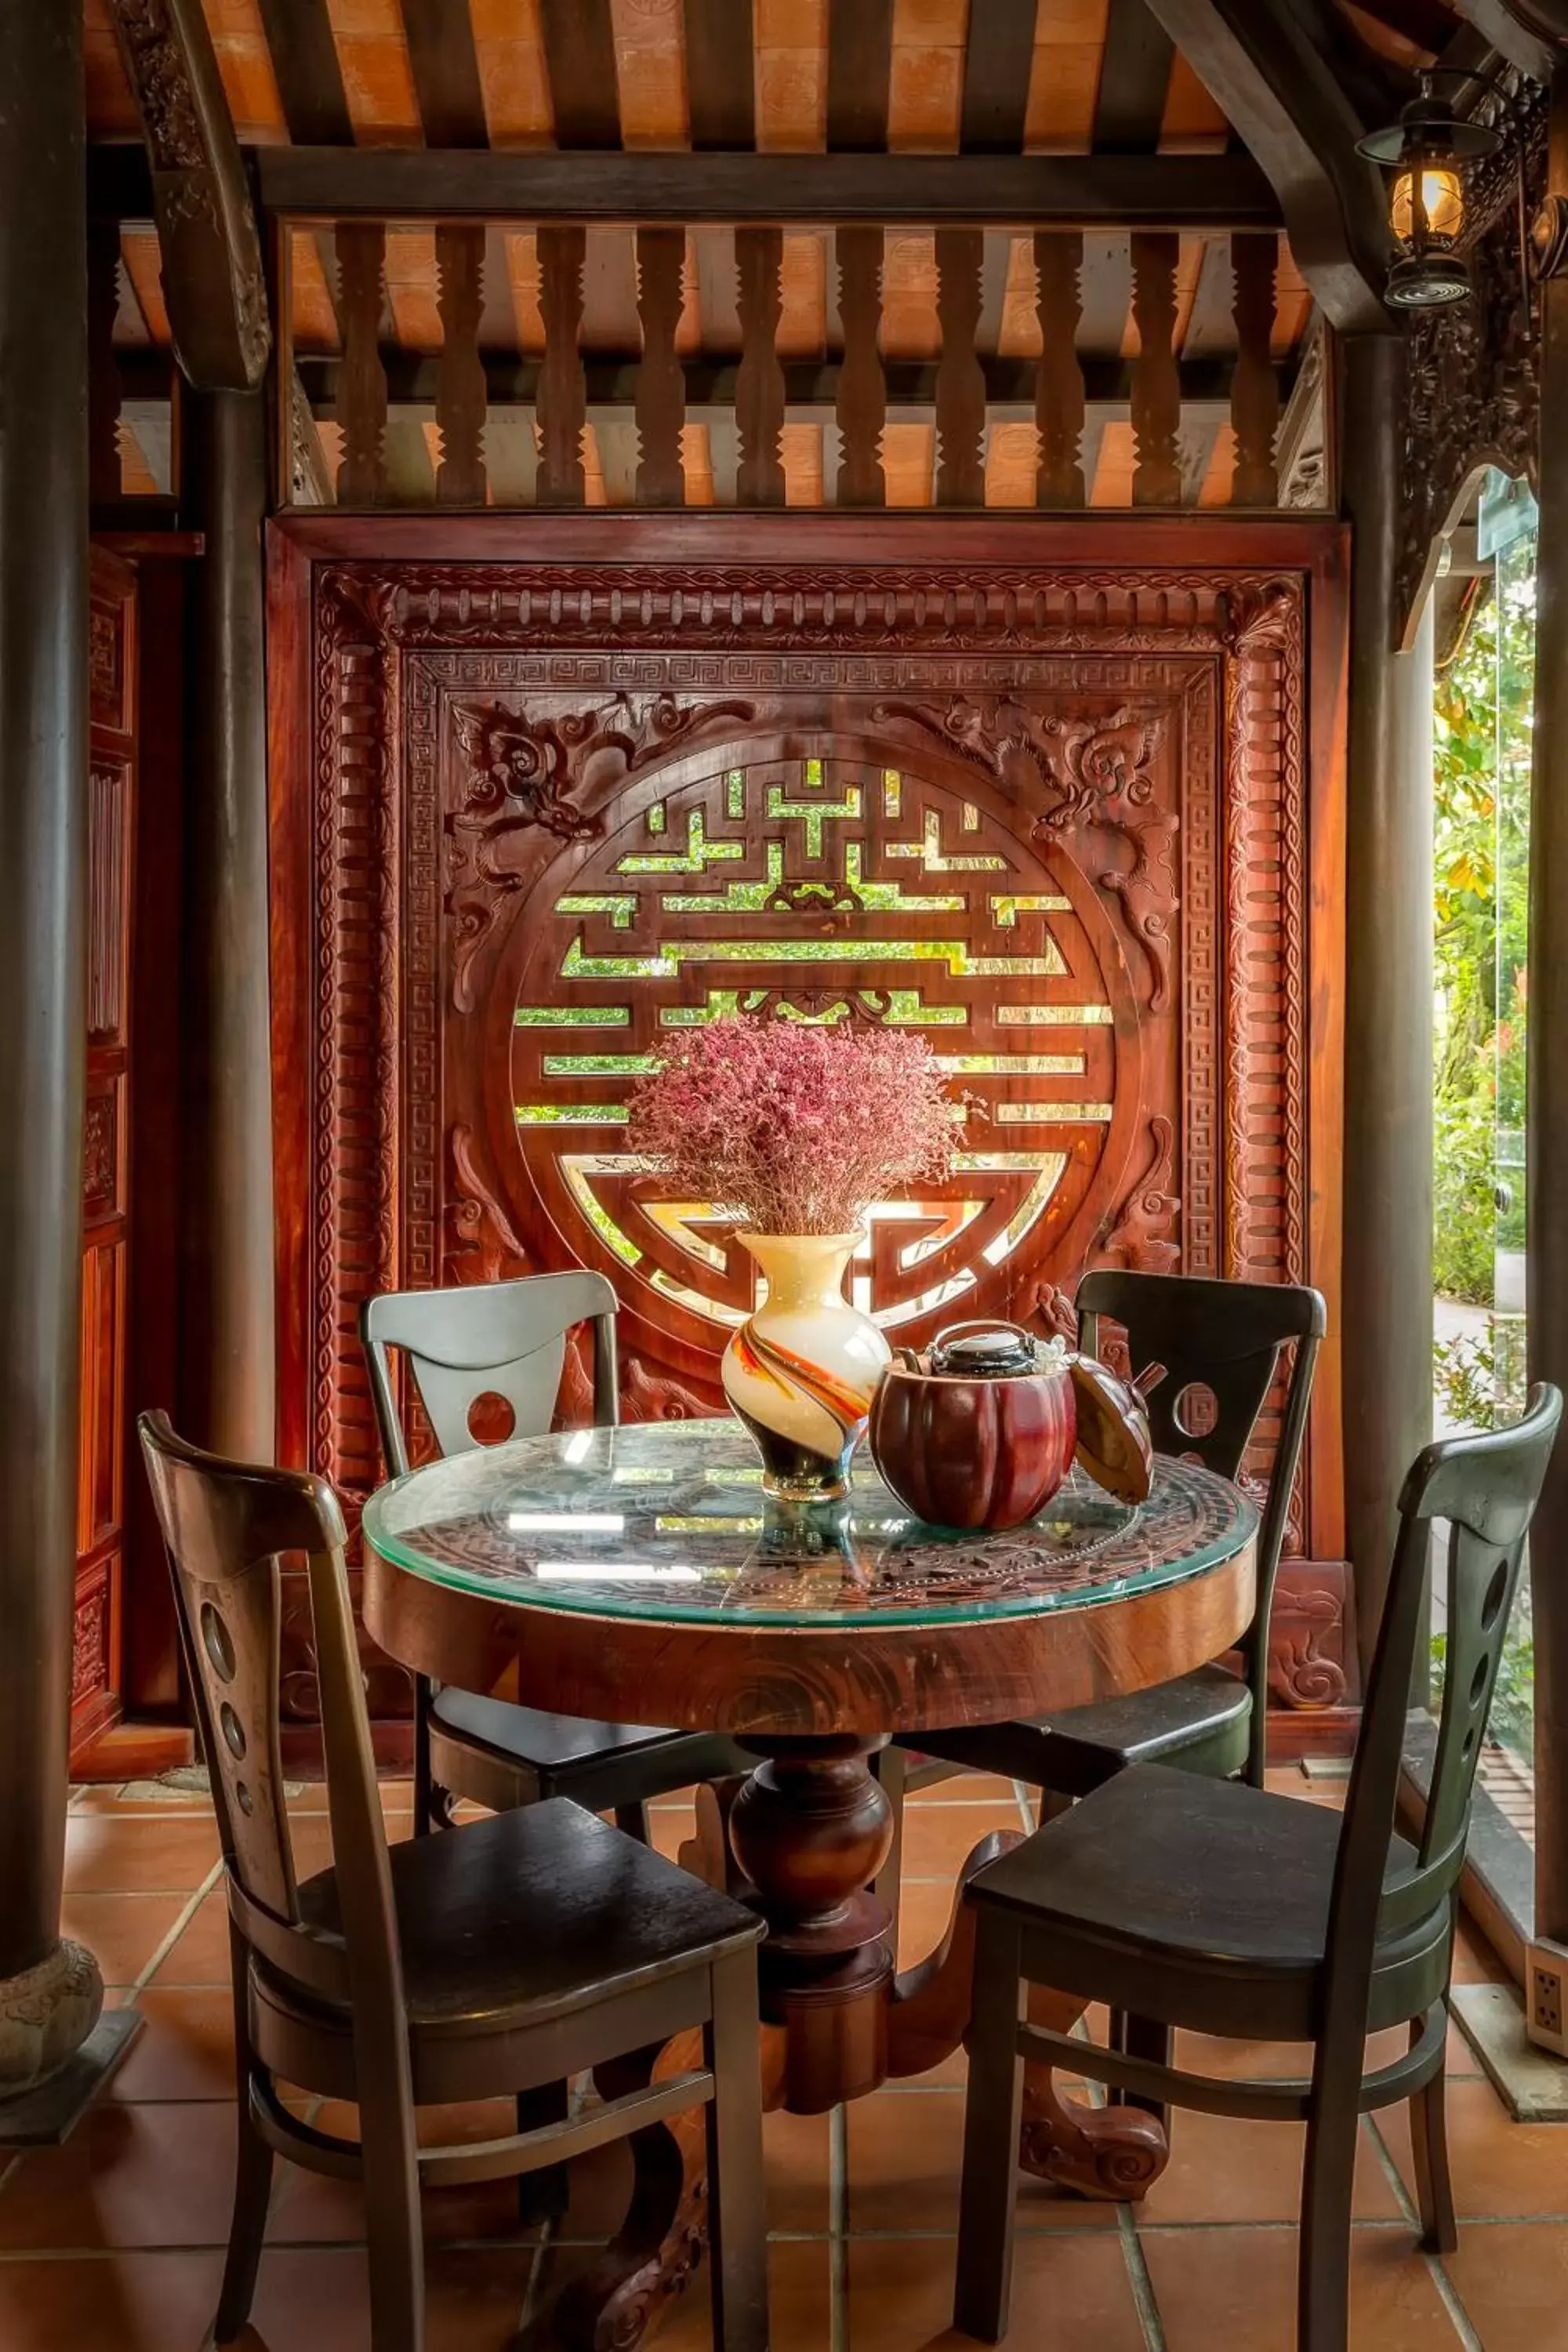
[(824, 882)]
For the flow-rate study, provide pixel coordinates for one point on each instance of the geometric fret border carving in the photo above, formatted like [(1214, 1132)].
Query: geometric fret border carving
[(1196, 674)]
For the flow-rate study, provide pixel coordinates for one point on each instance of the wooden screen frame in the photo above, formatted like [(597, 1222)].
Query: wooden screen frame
[(1254, 561)]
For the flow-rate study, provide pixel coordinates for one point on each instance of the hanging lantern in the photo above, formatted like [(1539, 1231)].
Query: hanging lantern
[(1427, 151)]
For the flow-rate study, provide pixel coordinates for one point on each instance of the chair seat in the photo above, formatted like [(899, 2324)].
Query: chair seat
[(1200, 1720), (531, 1914), (568, 1753), (1198, 1903)]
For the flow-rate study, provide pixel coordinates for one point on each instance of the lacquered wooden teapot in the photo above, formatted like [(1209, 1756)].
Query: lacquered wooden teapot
[(981, 1430)]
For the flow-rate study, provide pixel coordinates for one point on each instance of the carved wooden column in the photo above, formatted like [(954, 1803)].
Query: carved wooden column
[(1547, 1138), (50, 1989), (227, 1290), (1387, 1268)]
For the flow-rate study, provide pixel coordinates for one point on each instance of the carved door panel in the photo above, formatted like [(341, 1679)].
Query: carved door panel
[(557, 813), (111, 782)]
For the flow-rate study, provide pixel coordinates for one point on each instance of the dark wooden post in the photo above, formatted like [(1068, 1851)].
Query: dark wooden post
[(50, 1989), (1547, 1138), (228, 1294), (1387, 1268)]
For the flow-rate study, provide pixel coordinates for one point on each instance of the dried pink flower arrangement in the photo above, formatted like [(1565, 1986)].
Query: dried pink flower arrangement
[(792, 1127)]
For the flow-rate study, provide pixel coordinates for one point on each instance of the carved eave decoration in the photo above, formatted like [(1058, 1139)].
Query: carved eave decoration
[(1473, 393), (213, 279)]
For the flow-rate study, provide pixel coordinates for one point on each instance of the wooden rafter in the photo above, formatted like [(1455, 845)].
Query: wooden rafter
[(1281, 92), (310, 78), (1134, 80), (1199, 191), (212, 256), (859, 63), (446, 72), (719, 74), (997, 66)]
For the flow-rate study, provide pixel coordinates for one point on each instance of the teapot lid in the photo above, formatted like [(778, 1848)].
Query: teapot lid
[(983, 1351)]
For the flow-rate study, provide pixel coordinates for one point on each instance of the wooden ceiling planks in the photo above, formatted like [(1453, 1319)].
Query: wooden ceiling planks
[(1064, 76), (650, 66), (859, 68), (111, 107), (579, 52), (1192, 124)]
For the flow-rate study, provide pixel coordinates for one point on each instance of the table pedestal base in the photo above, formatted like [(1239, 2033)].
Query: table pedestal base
[(801, 1838)]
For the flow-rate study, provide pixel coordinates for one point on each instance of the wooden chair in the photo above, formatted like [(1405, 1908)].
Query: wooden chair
[(1223, 1909), (495, 1959), (509, 1339), (1220, 1342)]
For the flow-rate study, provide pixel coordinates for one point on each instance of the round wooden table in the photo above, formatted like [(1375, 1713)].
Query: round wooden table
[(639, 1575)]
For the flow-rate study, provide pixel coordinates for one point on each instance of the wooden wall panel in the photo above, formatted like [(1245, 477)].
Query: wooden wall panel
[(551, 805)]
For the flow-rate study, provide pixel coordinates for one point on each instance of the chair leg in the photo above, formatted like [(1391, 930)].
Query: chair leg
[(1323, 2274), (737, 2215), (424, 1822), (252, 2191), (991, 2116), (891, 1768), (1429, 2153), (543, 2195), (395, 2241), (1145, 2037), (633, 1821)]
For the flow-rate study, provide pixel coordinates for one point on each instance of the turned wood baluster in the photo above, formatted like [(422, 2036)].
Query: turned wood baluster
[(1255, 387), (361, 248), (759, 381), (862, 408), (562, 389), (1156, 381), (1058, 384), (460, 394), (960, 378), (660, 397)]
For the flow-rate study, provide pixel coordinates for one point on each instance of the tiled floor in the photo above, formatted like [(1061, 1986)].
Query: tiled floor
[(114, 2243)]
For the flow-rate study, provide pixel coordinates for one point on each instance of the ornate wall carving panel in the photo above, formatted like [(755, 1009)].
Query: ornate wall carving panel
[(1058, 821)]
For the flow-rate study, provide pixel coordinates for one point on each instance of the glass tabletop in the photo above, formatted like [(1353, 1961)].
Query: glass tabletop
[(667, 1520)]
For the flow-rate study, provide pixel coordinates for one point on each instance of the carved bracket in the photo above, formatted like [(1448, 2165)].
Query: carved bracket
[(213, 279)]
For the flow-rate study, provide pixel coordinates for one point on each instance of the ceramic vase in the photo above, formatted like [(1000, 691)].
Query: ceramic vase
[(801, 1373)]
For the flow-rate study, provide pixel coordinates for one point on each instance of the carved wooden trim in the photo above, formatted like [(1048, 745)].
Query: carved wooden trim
[(213, 280), (475, 720)]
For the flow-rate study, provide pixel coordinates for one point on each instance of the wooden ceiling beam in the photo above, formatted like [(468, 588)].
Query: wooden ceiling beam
[(308, 73), (1209, 192), (213, 282), (580, 51), (1286, 103), (859, 69), (720, 75), (997, 60), (446, 70), (1134, 80)]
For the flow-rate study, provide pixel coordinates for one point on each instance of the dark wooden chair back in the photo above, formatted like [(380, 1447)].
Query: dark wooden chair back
[(506, 1338), (1225, 1338), (228, 1525), (1486, 1487)]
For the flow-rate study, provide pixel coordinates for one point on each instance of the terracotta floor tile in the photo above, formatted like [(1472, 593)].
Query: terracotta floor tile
[(201, 1957), (155, 2175), (312, 2208), (796, 2158), (1501, 2169), (906, 2151), (1475, 1961), (126, 1797), (319, 2300), (967, 1789), (1238, 2287), (1067, 2292), (124, 2302), (1513, 2284), (1231, 2168), (122, 1931), (184, 2050), (1209, 2054), (113, 1853), (939, 1838)]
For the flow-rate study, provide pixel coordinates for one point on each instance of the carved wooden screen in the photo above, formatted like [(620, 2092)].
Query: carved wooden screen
[(554, 811)]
